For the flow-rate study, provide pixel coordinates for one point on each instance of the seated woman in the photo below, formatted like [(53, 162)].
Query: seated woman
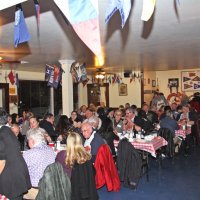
[(63, 127), (76, 161), (108, 133), (75, 120)]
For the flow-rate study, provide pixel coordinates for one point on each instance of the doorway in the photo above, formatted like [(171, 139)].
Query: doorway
[(98, 93), (4, 96)]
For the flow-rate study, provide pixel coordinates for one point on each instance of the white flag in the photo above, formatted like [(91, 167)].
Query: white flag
[(148, 9), (8, 3)]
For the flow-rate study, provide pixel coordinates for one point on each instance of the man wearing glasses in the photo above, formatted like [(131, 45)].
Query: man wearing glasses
[(131, 120), (92, 139)]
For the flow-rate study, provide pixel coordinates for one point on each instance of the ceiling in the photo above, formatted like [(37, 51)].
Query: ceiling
[(169, 40)]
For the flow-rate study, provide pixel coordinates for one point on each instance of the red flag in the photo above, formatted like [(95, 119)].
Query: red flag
[(11, 77), (85, 82)]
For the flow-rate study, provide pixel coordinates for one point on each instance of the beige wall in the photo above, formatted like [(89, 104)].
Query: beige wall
[(148, 77), (163, 76), (133, 97), (134, 88)]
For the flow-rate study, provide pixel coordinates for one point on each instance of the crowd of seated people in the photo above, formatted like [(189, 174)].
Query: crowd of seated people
[(88, 129)]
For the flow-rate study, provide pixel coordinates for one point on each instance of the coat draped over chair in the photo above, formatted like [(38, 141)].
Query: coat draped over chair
[(106, 171), (129, 164), (55, 184)]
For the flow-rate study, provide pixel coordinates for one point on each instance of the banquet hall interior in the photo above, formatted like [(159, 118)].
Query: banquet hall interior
[(126, 59)]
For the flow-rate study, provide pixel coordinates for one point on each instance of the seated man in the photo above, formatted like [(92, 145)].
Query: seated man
[(169, 122), (92, 139), (93, 120), (37, 158), (131, 120), (48, 125)]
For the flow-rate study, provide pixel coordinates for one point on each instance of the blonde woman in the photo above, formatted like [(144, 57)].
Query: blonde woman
[(78, 160)]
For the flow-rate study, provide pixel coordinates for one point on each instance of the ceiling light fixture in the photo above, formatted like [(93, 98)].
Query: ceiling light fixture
[(99, 76)]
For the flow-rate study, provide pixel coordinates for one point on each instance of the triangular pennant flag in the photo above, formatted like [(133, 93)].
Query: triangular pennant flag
[(196, 86), (131, 78), (21, 33), (124, 7), (16, 80), (85, 82), (48, 71), (51, 78), (186, 86), (57, 76), (109, 79), (186, 79), (114, 78), (84, 18), (197, 78), (148, 9), (11, 77), (37, 8), (192, 74)]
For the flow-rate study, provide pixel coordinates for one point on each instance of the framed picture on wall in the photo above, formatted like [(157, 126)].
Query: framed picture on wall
[(153, 83), (173, 82), (190, 81), (123, 89)]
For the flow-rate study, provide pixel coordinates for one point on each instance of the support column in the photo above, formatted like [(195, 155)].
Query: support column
[(67, 87), (51, 109)]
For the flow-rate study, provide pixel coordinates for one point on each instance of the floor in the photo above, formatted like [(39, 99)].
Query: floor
[(178, 179)]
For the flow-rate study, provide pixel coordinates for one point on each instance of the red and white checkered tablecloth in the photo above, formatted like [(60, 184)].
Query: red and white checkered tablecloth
[(183, 133), (2, 197), (149, 146)]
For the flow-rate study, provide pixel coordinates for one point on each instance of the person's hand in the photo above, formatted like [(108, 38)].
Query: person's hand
[(60, 138), (48, 138)]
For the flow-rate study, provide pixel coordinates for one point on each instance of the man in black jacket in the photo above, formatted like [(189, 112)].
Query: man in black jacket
[(48, 124)]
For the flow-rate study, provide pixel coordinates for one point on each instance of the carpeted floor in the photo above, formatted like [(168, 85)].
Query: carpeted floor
[(178, 179)]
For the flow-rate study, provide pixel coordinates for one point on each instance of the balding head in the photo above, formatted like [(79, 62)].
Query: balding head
[(86, 129)]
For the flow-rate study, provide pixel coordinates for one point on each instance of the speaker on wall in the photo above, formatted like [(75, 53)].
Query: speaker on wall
[(127, 74)]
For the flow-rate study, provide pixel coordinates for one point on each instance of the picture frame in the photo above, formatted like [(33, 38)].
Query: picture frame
[(153, 83), (190, 81), (123, 89), (173, 82)]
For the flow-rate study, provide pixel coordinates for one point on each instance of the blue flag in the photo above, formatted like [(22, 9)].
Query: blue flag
[(48, 72), (17, 80), (21, 33), (124, 7)]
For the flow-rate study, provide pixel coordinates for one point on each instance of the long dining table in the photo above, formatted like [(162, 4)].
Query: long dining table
[(148, 146)]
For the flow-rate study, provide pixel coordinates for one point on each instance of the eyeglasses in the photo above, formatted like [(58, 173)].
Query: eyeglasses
[(84, 130)]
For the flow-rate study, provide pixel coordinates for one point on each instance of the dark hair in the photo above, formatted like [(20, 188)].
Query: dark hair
[(3, 116), (106, 127), (14, 117), (48, 115), (166, 108), (63, 124), (168, 113), (101, 113), (142, 114), (179, 107)]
